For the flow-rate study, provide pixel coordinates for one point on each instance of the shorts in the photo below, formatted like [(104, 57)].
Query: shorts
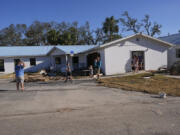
[(98, 71), (20, 79), (68, 74), (91, 72)]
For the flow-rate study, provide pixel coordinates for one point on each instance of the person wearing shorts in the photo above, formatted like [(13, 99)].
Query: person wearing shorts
[(68, 73), (19, 73), (91, 71), (98, 67), (95, 66)]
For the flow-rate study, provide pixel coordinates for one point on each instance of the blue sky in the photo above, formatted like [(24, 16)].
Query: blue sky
[(165, 12)]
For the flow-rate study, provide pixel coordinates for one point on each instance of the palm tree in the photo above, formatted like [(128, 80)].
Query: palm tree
[(111, 29)]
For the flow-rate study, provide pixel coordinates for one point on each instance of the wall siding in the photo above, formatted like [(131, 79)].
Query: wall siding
[(118, 57), (41, 63), (172, 56)]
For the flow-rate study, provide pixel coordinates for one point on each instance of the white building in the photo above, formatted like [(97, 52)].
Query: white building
[(174, 52), (116, 56)]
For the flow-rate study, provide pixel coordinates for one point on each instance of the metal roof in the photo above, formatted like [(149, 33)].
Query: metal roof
[(75, 48), (19, 51), (173, 39), (163, 43)]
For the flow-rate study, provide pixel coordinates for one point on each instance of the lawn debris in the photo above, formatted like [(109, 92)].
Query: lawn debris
[(155, 84)]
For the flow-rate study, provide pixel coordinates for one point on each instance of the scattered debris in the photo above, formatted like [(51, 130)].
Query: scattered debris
[(162, 95), (43, 72), (66, 109), (148, 77)]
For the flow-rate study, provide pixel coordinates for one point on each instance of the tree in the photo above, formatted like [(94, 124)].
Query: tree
[(129, 23), (53, 37), (98, 36), (37, 33), (155, 29), (111, 29), (69, 33), (151, 30), (132, 24), (12, 35), (85, 35)]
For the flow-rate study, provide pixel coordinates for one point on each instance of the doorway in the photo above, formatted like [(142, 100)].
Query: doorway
[(91, 57), (75, 62), (141, 59), (1, 65)]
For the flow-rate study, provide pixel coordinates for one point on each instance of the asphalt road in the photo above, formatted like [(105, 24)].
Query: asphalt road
[(83, 108)]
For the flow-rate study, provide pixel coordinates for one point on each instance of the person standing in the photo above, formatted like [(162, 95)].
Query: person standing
[(95, 66), (91, 71), (140, 63), (68, 73), (133, 63), (98, 67), (136, 64), (19, 73)]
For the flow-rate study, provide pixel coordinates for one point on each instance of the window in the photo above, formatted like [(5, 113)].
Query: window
[(16, 61), (58, 60), (177, 53), (32, 61), (1, 65)]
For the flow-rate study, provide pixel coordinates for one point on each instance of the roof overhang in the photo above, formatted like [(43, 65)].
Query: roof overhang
[(163, 43), (139, 35), (20, 56), (53, 49)]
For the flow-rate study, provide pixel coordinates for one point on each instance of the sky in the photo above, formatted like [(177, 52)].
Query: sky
[(164, 12)]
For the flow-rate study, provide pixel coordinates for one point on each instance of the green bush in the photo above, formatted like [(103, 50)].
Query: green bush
[(175, 68)]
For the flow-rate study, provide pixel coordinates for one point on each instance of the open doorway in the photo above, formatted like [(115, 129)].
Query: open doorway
[(2, 65), (141, 59), (75, 62), (91, 57)]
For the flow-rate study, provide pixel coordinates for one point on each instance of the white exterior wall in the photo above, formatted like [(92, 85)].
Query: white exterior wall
[(118, 57), (8, 65), (172, 56), (102, 55), (61, 54), (41, 63), (58, 67), (82, 60)]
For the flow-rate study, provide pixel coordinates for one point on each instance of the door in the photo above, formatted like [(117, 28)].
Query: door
[(1, 65), (141, 58), (75, 62), (57, 60)]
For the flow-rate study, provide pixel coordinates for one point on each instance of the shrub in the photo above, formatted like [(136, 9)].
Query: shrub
[(175, 68)]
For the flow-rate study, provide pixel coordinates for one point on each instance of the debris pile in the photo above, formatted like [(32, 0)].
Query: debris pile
[(35, 77)]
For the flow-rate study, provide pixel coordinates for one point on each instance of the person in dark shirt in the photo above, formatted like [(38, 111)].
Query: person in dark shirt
[(98, 67), (68, 73), (95, 66)]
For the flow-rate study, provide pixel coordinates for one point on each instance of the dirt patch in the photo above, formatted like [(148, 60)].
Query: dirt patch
[(146, 82), (7, 76)]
